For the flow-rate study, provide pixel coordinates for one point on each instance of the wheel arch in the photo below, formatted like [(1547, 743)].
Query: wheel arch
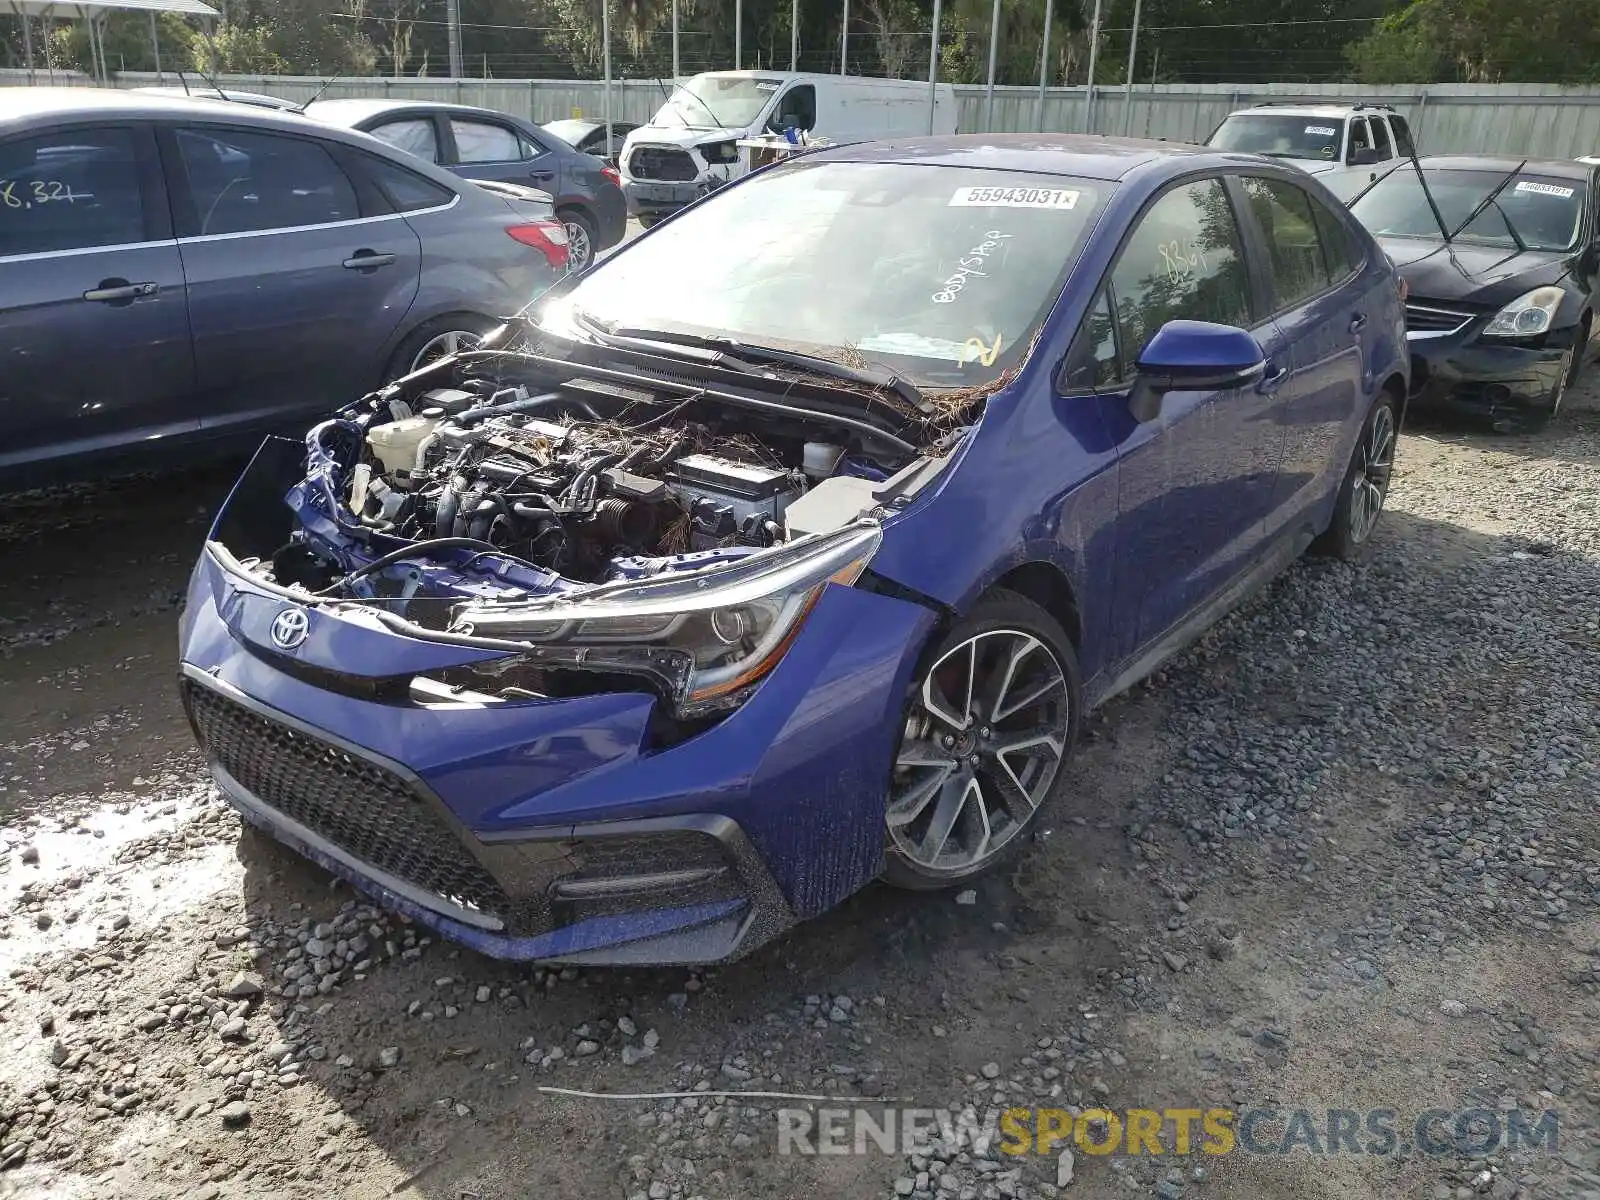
[(1047, 585)]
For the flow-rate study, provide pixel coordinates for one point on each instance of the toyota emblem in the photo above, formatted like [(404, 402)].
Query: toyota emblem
[(289, 628)]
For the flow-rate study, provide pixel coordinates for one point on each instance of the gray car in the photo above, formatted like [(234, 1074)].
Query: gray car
[(479, 143), (175, 274)]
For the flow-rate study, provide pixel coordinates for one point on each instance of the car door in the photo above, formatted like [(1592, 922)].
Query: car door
[(297, 282), (1311, 260), (94, 334), (1195, 485), (481, 148)]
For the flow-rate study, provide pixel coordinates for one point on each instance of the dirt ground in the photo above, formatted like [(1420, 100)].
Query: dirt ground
[(1341, 855)]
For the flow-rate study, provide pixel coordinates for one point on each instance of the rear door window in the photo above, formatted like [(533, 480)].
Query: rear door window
[(242, 181), (414, 135), (484, 142), (405, 190), (1184, 261), (1380, 138), (1403, 144), (1294, 244), (70, 190)]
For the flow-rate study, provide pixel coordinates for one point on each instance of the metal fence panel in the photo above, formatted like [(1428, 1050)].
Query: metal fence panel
[(1542, 120)]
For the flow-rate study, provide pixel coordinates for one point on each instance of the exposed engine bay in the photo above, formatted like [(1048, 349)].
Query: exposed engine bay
[(469, 485), (575, 492), (609, 529)]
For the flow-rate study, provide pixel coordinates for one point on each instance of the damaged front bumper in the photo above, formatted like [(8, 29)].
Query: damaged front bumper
[(571, 830)]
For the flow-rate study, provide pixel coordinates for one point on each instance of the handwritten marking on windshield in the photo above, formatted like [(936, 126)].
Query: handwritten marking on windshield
[(43, 191), (976, 350), (1322, 130), (1180, 263), (968, 265)]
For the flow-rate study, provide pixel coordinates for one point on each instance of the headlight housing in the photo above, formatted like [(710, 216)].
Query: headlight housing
[(1527, 316), (704, 637)]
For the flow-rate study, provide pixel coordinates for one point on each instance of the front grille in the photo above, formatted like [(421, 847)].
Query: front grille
[(662, 162), (1423, 316), (364, 809)]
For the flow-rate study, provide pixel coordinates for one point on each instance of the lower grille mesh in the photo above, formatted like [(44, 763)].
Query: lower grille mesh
[(360, 807)]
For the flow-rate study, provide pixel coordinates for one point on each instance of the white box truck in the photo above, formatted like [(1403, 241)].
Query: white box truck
[(690, 147)]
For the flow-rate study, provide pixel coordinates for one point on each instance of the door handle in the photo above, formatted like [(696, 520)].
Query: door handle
[(1272, 380), (120, 291), (542, 176), (366, 260), (1358, 322)]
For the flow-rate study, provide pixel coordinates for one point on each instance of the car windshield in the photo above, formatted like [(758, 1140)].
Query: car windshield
[(941, 274), (1281, 135), (1546, 213), (709, 101)]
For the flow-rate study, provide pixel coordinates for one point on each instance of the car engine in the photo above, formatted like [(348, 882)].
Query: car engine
[(576, 493)]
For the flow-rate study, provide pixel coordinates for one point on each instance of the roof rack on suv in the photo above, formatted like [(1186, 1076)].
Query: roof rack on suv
[(1319, 104)]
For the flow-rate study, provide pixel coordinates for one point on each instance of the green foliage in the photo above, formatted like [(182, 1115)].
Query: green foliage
[(1203, 41), (1483, 41)]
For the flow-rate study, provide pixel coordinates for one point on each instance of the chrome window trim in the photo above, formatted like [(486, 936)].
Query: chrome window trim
[(78, 251), (354, 221)]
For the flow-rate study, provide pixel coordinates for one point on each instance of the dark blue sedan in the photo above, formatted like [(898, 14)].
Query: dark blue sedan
[(479, 143), (787, 548)]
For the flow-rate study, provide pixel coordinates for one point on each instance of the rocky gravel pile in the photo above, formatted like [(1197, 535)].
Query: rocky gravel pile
[(1344, 847)]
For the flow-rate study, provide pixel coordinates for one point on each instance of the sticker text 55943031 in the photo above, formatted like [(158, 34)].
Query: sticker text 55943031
[(968, 265), (1014, 197)]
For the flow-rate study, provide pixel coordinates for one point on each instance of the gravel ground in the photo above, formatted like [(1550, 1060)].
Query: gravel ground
[(1342, 854)]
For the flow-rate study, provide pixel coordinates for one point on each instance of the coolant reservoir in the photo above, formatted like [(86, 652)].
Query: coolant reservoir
[(396, 443)]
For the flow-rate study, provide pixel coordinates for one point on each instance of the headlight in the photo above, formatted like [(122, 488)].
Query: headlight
[(705, 636), (1527, 316)]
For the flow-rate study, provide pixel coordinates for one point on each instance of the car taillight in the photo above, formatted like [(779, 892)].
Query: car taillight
[(612, 175), (548, 237)]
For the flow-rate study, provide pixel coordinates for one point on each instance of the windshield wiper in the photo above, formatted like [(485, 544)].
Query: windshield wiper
[(744, 356), (709, 110), (1510, 228), (1487, 201)]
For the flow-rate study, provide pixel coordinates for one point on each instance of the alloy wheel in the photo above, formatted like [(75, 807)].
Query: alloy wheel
[(982, 746), (578, 246), (1374, 469), (443, 346)]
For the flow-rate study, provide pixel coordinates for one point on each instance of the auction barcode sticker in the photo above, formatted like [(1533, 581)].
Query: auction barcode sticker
[(1544, 189), (1322, 130), (1014, 197)]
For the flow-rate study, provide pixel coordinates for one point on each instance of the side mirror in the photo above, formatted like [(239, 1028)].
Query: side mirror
[(1193, 356), (1363, 157)]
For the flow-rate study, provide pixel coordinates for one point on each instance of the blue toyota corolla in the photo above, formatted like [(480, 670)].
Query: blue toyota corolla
[(785, 549)]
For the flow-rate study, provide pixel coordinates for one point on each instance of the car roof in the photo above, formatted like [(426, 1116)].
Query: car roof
[(1562, 168), (1084, 155), (348, 111), (25, 105)]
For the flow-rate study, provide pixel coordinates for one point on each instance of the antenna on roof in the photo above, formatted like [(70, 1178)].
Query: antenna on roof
[(315, 96)]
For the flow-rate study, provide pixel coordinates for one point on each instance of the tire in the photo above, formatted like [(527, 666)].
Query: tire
[(956, 776), (581, 231), (648, 222), (1365, 486), (427, 341)]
